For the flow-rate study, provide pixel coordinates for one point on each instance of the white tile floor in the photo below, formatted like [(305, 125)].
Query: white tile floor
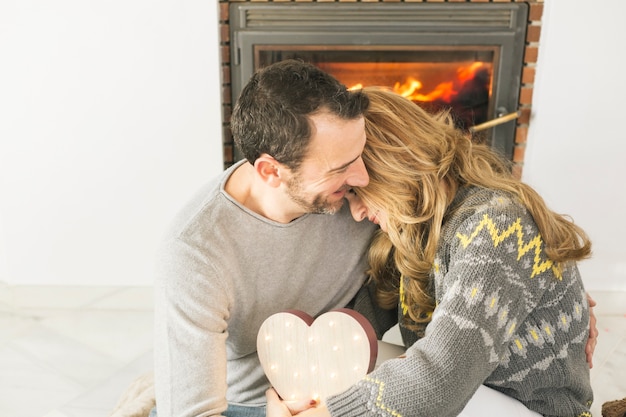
[(72, 351)]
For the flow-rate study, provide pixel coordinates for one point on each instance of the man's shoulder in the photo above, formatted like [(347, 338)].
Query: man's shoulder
[(202, 204)]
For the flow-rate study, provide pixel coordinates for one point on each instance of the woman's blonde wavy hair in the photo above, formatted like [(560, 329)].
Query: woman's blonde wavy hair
[(416, 162)]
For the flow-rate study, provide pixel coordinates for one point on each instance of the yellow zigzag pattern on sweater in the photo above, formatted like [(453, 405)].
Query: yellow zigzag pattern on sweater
[(379, 397), (498, 237)]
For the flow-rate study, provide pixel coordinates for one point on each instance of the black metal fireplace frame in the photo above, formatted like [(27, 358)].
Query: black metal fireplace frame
[(501, 26)]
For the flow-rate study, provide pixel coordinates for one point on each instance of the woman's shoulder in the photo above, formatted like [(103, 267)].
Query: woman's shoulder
[(478, 209), (477, 201)]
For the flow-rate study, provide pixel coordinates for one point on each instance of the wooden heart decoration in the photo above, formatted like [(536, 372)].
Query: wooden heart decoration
[(305, 358)]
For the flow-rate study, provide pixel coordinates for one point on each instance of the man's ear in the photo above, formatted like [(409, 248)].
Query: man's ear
[(269, 170)]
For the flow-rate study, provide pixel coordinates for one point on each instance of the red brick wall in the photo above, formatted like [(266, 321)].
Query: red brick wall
[(526, 90)]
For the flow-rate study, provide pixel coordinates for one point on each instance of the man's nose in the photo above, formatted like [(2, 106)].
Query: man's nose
[(358, 176)]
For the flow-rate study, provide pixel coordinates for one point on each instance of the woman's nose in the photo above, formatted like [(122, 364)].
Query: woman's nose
[(357, 208)]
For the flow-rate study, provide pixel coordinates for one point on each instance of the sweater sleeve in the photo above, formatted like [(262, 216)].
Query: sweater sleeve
[(483, 290), (191, 312)]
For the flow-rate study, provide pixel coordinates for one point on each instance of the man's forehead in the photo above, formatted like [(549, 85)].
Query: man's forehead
[(329, 161), (335, 143)]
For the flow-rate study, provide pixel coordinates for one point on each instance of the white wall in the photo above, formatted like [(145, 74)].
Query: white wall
[(109, 120), (577, 143)]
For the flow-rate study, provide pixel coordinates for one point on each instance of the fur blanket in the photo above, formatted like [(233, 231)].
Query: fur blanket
[(138, 399)]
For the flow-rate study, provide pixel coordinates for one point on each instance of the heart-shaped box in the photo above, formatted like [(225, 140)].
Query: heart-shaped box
[(306, 358)]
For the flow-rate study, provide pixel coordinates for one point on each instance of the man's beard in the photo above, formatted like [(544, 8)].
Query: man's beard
[(319, 205)]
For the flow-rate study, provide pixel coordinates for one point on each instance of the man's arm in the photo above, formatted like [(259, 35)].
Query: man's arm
[(190, 334)]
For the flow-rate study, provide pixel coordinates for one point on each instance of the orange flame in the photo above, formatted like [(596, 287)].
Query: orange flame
[(444, 91)]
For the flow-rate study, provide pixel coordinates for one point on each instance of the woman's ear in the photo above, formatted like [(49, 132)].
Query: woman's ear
[(269, 170)]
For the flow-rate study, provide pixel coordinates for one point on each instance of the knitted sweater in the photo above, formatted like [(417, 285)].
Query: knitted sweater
[(506, 317), (222, 270)]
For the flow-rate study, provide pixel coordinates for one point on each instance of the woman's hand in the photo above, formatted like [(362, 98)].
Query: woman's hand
[(593, 332), (275, 407), (279, 408)]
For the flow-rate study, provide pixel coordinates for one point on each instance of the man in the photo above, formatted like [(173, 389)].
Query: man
[(256, 241)]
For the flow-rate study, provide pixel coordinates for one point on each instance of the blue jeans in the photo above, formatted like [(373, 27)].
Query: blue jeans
[(241, 411), (234, 411)]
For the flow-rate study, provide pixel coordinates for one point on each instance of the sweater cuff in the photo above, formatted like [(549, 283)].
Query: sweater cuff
[(358, 401)]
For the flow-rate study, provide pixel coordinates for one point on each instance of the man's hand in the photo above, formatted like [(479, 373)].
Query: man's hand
[(593, 332)]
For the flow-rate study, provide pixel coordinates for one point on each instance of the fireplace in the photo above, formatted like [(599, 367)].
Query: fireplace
[(468, 57)]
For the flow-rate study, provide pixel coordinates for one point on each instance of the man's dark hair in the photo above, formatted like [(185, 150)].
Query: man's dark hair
[(271, 114)]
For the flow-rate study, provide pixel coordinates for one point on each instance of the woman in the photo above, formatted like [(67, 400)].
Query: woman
[(484, 275)]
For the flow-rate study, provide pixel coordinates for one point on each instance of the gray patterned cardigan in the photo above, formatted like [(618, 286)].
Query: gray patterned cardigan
[(506, 317)]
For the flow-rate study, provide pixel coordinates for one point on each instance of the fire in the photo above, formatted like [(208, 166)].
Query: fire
[(445, 91)]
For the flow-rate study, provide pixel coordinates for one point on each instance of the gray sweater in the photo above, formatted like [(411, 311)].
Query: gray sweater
[(506, 317), (222, 270)]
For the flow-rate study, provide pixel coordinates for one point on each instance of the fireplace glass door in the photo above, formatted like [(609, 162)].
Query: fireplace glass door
[(463, 57), (456, 78)]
